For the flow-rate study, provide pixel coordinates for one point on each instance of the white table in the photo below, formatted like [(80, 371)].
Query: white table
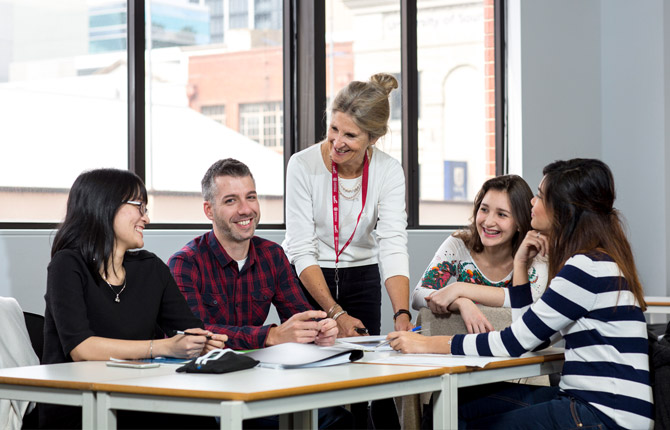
[(657, 305), (254, 392), (70, 384)]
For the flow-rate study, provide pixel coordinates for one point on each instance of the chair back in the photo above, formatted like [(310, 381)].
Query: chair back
[(450, 324), (35, 326)]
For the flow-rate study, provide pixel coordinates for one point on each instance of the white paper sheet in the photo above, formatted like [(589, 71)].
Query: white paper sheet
[(365, 343)]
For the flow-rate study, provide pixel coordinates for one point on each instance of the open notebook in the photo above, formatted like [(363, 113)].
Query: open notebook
[(301, 355)]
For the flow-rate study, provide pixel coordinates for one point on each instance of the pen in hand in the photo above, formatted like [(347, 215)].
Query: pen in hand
[(192, 334), (416, 329)]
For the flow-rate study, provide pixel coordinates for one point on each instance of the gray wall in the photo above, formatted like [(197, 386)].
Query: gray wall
[(590, 81), (25, 256)]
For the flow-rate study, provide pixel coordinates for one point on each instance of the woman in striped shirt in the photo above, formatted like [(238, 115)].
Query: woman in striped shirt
[(594, 302)]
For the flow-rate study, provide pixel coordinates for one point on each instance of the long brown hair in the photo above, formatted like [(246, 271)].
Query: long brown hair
[(579, 197), (519, 195)]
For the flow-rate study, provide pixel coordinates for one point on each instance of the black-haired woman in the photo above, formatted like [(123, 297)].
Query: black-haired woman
[(594, 301), (103, 300)]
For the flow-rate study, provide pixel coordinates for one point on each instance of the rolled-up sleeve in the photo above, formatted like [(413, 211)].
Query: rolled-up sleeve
[(392, 224), (301, 242)]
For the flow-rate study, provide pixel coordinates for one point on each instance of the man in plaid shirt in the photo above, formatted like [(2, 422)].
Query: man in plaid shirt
[(229, 276)]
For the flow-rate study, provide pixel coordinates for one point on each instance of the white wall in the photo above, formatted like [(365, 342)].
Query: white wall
[(591, 82), (25, 255)]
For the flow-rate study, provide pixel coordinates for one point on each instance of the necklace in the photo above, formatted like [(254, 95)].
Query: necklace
[(117, 299), (353, 192)]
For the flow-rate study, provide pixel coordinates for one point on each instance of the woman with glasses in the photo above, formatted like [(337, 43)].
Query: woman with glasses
[(105, 301)]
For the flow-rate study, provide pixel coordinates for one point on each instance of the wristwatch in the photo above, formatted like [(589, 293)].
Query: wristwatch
[(400, 312)]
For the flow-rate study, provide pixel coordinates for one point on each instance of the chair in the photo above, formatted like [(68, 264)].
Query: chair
[(659, 369), (15, 351), (35, 326)]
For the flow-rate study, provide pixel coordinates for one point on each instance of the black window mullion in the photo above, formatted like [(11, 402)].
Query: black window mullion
[(290, 40), (136, 88), (502, 155), (410, 111)]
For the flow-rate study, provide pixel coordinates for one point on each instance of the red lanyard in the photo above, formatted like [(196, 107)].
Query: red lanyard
[(336, 206)]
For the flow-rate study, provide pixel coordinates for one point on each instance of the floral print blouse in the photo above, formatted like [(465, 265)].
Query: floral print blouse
[(454, 263)]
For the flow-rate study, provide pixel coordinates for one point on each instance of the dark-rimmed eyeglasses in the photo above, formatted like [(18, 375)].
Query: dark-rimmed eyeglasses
[(141, 206)]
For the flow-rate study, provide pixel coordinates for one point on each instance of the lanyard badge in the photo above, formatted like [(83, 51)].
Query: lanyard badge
[(336, 214)]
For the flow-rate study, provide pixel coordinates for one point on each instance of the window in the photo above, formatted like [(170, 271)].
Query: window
[(454, 71), (239, 13), (353, 53), (63, 101), (455, 157), (262, 122), (194, 80), (215, 112), (267, 14), (215, 20), (396, 99), (217, 85)]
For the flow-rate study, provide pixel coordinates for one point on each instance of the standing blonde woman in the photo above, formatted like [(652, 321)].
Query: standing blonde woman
[(337, 192)]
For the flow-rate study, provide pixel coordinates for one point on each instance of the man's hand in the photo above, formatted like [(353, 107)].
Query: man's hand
[(217, 341), (300, 328)]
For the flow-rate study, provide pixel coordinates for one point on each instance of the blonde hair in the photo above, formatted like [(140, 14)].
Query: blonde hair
[(367, 103)]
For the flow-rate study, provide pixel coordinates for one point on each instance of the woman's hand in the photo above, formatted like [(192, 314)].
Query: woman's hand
[(414, 343), (533, 244), (474, 319), (403, 323), (347, 324), (440, 300), (188, 346)]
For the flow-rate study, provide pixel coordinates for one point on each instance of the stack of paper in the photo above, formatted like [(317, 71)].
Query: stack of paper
[(301, 355)]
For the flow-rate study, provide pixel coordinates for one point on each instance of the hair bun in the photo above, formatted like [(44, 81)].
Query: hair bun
[(386, 81)]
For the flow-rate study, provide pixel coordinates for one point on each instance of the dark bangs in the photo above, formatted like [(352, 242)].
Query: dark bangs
[(94, 200)]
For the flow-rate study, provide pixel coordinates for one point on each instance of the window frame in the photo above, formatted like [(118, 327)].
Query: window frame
[(304, 51)]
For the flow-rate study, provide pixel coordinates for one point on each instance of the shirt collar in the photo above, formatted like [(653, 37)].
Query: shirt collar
[(222, 256)]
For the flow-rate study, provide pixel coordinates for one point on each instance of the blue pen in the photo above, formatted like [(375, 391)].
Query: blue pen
[(417, 328)]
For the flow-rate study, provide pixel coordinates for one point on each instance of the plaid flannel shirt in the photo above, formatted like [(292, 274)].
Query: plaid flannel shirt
[(234, 302)]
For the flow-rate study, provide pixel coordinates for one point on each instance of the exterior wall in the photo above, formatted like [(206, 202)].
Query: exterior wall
[(253, 76)]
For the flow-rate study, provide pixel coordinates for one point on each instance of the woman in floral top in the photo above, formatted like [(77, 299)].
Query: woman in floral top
[(483, 254)]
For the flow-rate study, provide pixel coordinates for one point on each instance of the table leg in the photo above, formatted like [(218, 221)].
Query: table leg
[(445, 404), (88, 410), (231, 415), (300, 420), (106, 415)]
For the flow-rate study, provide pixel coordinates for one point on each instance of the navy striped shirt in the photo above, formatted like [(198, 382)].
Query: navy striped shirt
[(606, 352)]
